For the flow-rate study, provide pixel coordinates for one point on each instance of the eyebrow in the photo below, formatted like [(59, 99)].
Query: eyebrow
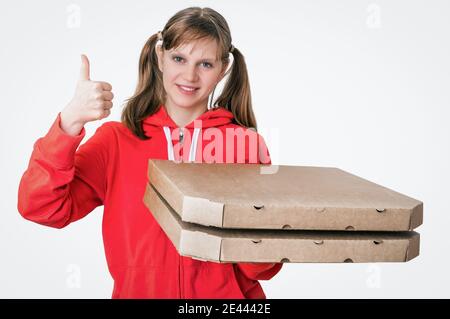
[(203, 60)]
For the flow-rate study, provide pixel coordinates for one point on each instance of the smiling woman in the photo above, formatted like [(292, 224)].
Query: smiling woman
[(180, 67)]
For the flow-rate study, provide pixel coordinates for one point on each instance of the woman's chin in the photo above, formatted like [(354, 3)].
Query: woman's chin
[(185, 103)]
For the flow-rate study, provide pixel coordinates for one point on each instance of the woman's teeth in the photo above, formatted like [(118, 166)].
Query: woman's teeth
[(187, 88)]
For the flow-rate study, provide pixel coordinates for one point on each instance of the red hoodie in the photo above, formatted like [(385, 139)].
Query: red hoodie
[(63, 184)]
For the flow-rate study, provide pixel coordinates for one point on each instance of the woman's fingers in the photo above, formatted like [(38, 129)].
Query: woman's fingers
[(108, 95), (107, 105), (105, 85)]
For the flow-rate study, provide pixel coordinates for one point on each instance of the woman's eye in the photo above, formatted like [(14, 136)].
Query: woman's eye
[(180, 59)]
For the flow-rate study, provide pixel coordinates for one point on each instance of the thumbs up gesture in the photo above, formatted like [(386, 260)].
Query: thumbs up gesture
[(92, 101)]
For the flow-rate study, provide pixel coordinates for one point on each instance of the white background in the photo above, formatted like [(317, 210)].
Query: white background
[(359, 85)]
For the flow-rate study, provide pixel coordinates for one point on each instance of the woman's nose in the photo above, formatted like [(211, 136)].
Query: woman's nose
[(190, 73)]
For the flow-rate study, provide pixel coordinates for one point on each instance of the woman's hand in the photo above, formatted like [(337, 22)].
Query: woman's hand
[(92, 101)]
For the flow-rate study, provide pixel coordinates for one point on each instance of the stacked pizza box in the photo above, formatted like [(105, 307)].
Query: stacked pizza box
[(269, 213)]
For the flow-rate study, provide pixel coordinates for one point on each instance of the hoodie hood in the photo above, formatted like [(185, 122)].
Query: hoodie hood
[(211, 118), (161, 120)]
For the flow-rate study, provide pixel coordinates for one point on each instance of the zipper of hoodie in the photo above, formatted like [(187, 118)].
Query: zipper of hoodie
[(181, 140), (170, 148), (181, 135)]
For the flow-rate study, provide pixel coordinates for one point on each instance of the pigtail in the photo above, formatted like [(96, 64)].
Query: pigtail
[(149, 92), (236, 95)]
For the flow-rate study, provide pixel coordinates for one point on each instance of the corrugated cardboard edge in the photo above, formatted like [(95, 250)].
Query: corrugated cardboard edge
[(200, 245), (320, 218), (413, 249), (190, 209), (202, 211), (165, 186), (416, 216), (321, 249)]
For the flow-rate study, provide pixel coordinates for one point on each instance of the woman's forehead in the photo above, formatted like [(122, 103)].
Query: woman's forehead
[(205, 48)]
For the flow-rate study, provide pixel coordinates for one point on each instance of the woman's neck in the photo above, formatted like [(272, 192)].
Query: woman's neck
[(183, 116)]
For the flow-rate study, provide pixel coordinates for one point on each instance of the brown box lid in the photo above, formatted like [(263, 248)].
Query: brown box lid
[(294, 197), (257, 245)]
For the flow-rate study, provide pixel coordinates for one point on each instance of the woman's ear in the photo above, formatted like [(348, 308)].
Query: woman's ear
[(159, 54)]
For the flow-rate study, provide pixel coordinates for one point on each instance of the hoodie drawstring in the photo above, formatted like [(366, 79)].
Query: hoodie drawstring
[(170, 151)]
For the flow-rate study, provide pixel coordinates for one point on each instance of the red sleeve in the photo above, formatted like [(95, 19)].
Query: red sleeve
[(63, 184), (260, 271)]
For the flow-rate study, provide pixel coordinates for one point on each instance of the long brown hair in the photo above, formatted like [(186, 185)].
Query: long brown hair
[(186, 25)]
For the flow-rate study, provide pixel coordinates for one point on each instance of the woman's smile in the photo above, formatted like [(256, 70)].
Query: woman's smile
[(187, 90)]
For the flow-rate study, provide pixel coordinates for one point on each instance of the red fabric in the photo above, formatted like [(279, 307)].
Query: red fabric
[(63, 184)]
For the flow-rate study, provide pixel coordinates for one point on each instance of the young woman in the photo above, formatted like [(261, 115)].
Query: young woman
[(179, 69)]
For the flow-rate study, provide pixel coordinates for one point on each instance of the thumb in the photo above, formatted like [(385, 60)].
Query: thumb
[(84, 69)]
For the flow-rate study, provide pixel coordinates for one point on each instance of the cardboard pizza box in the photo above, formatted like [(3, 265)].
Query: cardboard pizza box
[(297, 246), (294, 197)]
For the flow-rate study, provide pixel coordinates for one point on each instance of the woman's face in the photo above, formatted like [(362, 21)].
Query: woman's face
[(190, 73)]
